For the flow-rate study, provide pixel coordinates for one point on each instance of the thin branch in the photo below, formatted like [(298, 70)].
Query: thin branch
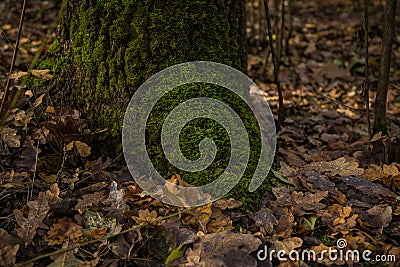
[(276, 67), (366, 83), (21, 23), (133, 228), (361, 111)]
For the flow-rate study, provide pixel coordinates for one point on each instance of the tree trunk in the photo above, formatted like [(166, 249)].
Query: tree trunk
[(106, 49), (112, 47), (386, 55)]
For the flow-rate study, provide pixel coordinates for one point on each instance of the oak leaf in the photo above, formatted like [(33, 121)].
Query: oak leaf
[(37, 212)]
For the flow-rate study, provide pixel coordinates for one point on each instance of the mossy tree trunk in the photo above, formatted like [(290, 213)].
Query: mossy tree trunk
[(110, 48), (106, 49)]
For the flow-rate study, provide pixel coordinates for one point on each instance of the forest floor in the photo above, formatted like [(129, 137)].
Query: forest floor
[(334, 188)]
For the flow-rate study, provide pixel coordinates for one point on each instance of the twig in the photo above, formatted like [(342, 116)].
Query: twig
[(280, 34), (366, 83), (361, 111), (35, 170), (395, 87), (21, 23), (276, 67), (290, 26), (60, 171), (133, 228)]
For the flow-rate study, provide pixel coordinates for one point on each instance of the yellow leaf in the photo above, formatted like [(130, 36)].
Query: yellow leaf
[(70, 146), (38, 101), (82, 148), (18, 75), (42, 74)]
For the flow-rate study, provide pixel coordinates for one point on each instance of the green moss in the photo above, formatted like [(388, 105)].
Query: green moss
[(111, 47)]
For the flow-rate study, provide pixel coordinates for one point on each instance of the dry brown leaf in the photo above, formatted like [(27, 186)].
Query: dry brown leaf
[(344, 228), (52, 195), (374, 173), (343, 214), (378, 216), (223, 249), (230, 203), (265, 219), (286, 223), (390, 170), (96, 233), (64, 230), (37, 212), (29, 155), (339, 166), (8, 249), (200, 215), (308, 202), (42, 74), (377, 137), (89, 200), (288, 244), (17, 75), (145, 216), (38, 101), (10, 137), (369, 188), (120, 247), (82, 148)]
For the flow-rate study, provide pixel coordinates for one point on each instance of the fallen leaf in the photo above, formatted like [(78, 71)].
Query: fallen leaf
[(38, 101), (265, 220), (10, 137), (42, 74), (223, 249), (89, 200), (145, 216), (82, 148), (377, 137), (309, 223), (288, 244), (29, 155), (230, 203), (368, 188), (64, 230), (286, 223), (120, 247), (339, 166), (52, 195), (96, 233), (343, 214), (200, 215), (8, 249), (65, 259), (378, 216), (37, 212), (17, 75)]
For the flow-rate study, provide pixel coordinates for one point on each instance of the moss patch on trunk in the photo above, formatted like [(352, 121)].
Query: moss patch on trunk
[(106, 49)]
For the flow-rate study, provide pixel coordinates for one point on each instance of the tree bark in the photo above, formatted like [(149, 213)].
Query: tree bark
[(109, 48), (106, 49), (386, 55)]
